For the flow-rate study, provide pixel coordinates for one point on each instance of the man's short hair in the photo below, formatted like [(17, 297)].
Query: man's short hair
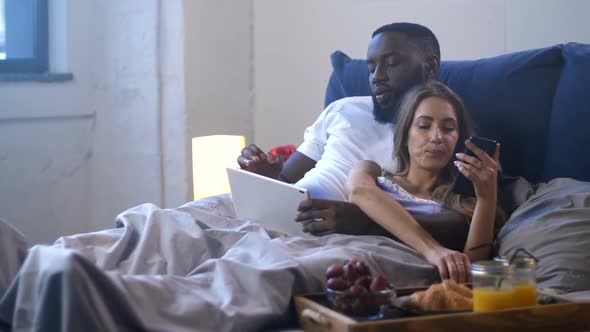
[(427, 41)]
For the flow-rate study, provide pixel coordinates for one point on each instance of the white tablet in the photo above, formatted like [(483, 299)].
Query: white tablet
[(270, 202)]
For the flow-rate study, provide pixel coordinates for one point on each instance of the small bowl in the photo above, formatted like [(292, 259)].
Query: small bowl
[(366, 305)]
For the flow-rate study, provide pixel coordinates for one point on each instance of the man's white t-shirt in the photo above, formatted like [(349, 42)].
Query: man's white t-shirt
[(343, 134)]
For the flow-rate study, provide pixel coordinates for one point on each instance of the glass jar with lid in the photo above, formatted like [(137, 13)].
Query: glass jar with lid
[(523, 279), (493, 288)]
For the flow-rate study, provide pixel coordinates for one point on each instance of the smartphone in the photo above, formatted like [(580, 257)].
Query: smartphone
[(463, 185)]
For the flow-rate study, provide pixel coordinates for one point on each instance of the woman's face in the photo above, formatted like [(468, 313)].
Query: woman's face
[(433, 134)]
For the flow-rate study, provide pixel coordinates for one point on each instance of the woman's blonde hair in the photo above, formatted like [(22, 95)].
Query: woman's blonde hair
[(405, 117)]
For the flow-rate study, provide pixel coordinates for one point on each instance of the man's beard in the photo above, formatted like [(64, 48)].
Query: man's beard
[(387, 114)]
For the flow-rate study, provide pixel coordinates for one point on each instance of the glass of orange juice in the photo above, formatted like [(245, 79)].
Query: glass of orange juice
[(523, 279), (493, 287)]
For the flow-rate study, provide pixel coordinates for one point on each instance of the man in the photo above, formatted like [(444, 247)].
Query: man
[(399, 56)]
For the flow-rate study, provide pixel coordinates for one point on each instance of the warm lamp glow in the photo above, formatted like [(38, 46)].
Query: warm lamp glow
[(211, 155)]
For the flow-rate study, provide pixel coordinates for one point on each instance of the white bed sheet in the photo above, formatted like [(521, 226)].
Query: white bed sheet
[(185, 269)]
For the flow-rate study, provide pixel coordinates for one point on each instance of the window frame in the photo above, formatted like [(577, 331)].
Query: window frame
[(39, 62)]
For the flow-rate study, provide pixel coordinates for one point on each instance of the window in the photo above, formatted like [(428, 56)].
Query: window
[(23, 36)]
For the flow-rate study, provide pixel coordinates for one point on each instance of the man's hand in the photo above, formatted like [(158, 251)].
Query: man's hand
[(322, 217), (254, 160)]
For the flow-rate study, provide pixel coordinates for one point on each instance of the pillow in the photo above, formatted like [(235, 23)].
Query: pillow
[(567, 150), (510, 97), (350, 78), (553, 225)]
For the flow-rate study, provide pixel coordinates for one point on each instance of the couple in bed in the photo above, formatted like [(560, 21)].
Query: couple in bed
[(400, 56), (196, 268)]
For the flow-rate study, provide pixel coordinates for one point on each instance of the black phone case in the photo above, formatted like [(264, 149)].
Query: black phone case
[(463, 185)]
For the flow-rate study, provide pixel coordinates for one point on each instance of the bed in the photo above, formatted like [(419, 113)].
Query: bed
[(199, 268)]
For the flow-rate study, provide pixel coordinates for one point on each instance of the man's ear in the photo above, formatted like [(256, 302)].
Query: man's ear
[(430, 67)]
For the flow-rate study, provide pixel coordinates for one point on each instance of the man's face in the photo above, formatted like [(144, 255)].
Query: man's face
[(395, 66)]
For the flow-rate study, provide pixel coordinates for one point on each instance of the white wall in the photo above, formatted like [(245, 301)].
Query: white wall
[(218, 67), (293, 41), (46, 145), (175, 160), (73, 155)]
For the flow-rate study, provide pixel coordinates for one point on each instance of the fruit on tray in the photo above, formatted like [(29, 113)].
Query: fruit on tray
[(352, 289)]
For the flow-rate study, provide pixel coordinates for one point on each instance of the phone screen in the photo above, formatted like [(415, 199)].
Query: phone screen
[(463, 185)]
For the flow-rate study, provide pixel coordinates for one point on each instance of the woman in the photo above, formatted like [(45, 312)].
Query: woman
[(431, 121)]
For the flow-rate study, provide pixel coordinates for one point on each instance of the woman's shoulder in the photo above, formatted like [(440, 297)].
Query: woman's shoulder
[(388, 184)]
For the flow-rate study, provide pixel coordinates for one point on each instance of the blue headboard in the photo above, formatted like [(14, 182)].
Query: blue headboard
[(529, 101)]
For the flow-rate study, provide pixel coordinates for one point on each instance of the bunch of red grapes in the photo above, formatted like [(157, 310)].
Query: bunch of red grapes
[(355, 275)]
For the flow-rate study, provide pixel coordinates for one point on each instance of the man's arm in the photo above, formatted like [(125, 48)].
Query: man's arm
[(256, 161), (322, 217), (295, 167)]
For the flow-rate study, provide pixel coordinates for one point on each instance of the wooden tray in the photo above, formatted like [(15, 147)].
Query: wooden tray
[(314, 315)]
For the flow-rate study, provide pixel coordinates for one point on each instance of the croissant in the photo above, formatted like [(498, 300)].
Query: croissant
[(447, 295), (451, 285)]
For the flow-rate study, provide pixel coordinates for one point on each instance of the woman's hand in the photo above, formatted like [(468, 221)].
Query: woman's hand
[(451, 264), (481, 170)]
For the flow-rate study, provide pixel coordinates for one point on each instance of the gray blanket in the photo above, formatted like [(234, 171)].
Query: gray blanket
[(194, 268), (197, 268)]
